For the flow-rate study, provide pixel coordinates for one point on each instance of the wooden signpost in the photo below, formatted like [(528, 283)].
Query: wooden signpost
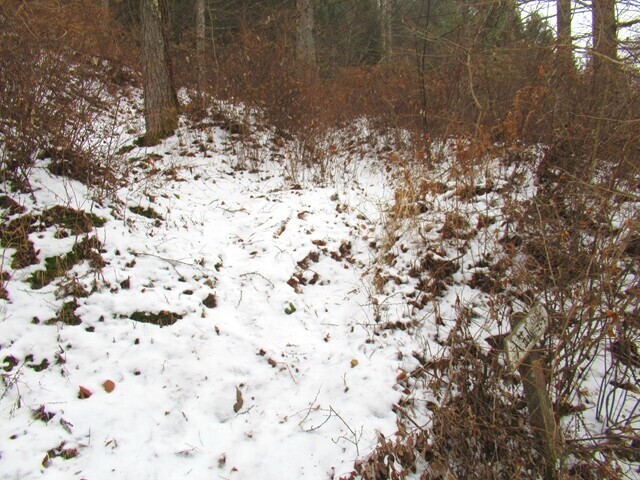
[(526, 332)]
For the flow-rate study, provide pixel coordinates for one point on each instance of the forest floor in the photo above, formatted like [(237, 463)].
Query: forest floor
[(228, 312), (226, 307)]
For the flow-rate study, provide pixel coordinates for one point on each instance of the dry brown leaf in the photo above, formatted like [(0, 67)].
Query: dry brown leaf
[(84, 392), (239, 401), (108, 386)]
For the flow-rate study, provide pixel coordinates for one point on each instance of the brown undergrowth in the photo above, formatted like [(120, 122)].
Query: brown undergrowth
[(59, 64), (513, 227)]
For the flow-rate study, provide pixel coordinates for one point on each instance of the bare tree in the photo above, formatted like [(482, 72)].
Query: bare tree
[(306, 49), (160, 99), (564, 40), (200, 46), (385, 29), (604, 33)]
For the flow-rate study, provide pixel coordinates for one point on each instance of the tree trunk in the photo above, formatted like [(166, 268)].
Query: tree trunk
[(564, 40), (604, 36), (385, 30), (200, 47), (160, 100), (305, 45)]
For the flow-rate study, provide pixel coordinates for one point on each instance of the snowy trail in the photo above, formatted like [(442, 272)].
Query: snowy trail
[(282, 378)]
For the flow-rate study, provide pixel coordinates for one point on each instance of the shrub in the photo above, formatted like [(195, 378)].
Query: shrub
[(56, 60)]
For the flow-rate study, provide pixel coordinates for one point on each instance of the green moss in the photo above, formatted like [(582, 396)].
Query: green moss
[(11, 206), (146, 212), (25, 255), (162, 318), (17, 230), (57, 266), (66, 315), (75, 220), (125, 149), (15, 234)]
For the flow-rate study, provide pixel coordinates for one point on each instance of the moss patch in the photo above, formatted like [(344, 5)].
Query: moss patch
[(11, 206), (15, 234), (66, 315), (125, 149), (162, 318), (146, 212), (76, 221), (57, 266), (38, 367), (9, 363)]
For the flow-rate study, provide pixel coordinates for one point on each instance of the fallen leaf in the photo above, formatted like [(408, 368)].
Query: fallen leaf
[(281, 229), (66, 425), (108, 386), (211, 301), (239, 401), (354, 363), (84, 392)]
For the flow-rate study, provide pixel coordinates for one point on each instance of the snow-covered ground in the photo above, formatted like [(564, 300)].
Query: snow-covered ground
[(272, 370), (245, 316)]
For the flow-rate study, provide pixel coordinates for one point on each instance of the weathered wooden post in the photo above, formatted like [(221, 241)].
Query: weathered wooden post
[(526, 332)]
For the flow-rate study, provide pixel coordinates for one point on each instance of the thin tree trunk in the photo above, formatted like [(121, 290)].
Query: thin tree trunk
[(385, 30), (563, 38), (305, 45), (604, 36), (160, 100), (200, 47), (421, 61)]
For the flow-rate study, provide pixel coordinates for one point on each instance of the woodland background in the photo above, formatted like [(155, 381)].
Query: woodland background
[(495, 78)]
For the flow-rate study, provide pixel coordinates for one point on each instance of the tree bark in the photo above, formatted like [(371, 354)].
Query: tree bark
[(563, 36), (385, 30), (306, 49), (160, 99), (200, 47), (604, 36)]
